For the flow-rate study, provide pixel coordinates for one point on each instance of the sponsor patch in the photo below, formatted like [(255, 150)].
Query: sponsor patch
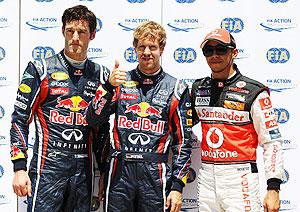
[(189, 122), (59, 91), (235, 96), (222, 114), (239, 90), (204, 92), (269, 114), (127, 96), (265, 103), (240, 84), (234, 105), (202, 101), (274, 134), (59, 84), (131, 83), (59, 76), (20, 105), (271, 124), (220, 84), (24, 88)]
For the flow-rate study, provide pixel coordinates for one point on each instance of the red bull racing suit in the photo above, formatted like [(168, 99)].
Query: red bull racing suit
[(150, 118), (55, 94), (235, 116)]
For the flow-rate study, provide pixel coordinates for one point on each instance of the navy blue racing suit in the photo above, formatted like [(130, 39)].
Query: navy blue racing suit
[(151, 117), (55, 94)]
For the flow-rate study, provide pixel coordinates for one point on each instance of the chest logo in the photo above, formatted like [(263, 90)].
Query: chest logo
[(75, 103), (214, 138), (143, 109), (202, 101)]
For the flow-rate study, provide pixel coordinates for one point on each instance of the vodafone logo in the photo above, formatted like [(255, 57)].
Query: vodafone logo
[(214, 138), (265, 103)]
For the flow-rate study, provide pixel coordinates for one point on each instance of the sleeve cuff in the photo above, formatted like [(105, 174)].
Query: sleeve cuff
[(177, 185), (20, 164), (109, 87), (273, 184)]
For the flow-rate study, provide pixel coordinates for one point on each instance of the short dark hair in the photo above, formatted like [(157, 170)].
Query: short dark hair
[(80, 12)]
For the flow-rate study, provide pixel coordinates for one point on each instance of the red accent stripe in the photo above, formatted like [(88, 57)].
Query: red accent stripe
[(114, 168), (115, 131), (20, 135), (116, 137), (160, 172), (45, 136), (40, 99)]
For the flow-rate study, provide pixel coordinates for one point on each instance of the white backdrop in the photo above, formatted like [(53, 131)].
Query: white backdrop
[(266, 32)]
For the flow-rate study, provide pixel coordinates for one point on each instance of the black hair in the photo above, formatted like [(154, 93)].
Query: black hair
[(80, 12)]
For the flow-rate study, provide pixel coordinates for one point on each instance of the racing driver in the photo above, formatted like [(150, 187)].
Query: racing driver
[(55, 92), (235, 114), (150, 108)]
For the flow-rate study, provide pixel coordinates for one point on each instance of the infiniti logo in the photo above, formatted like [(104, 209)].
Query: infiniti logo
[(141, 137), (69, 133)]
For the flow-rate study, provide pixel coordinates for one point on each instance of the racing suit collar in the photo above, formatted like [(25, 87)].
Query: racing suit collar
[(221, 83), (73, 71), (149, 80)]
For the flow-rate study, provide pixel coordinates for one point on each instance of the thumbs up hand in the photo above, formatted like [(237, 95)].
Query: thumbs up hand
[(118, 76)]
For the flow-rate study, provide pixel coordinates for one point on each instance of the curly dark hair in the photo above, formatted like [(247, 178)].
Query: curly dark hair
[(80, 12)]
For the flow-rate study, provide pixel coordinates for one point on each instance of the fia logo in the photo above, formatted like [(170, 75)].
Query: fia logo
[(278, 1), (99, 25), (185, 55), (233, 25), (136, 1), (41, 52), (282, 115), (43, 0), (185, 1), (130, 55), (278, 55), (2, 53)]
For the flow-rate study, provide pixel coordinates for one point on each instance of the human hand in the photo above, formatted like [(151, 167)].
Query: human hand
[(271, 201), (118, 76), (174, 201), (22, 184)]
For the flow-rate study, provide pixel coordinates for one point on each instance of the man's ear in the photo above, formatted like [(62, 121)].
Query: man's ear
[(235, 53), (63, 31), (93, 35), (161, 51)]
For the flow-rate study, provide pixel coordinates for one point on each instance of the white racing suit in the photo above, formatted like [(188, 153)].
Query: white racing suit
[(235, 116)]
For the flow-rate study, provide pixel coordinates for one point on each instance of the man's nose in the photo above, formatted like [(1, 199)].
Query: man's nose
[(75, 35), (147, 50)]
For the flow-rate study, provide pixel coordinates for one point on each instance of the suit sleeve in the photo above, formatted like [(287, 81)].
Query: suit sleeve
[(266, 126), (101, 145), (181, 133), (27, 100), (102, 105)]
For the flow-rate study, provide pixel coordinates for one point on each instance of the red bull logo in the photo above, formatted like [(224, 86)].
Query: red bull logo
[(75, 103), (72, 118), (143, 109), (136, 108), (16, 153), (141, 124)]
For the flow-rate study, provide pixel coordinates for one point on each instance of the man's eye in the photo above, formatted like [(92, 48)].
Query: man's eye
[(153, 48)]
